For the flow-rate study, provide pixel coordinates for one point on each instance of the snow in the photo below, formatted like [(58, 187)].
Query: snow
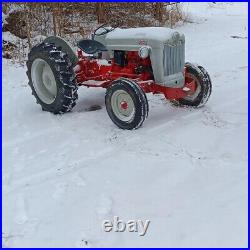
[(185, 170), (8, 37), (4, 16), (156, 33), (38, 39)]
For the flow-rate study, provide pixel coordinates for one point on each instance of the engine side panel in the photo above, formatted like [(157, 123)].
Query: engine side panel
[(167, 53)]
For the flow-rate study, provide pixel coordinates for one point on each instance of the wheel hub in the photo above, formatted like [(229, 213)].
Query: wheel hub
[(192, 83), (43, 80), (123, 105)]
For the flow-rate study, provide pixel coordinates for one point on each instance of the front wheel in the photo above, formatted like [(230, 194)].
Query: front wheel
[(126, 104), (200, 85)]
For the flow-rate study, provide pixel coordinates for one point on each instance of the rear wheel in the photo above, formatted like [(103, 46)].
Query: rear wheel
[(126, 104), (199, 86), (51, 78)]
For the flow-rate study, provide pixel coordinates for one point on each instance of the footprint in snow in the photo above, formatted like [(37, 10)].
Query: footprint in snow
[(243, 67), (27, 225), (104, 207), (8, 238), (31, 227), (212, 119), (60, 190), (21, 216), (82, 241), (239, 37), (78, 180)]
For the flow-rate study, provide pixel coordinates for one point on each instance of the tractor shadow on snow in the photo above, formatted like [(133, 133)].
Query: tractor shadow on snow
[(88, 102), (162, 112)]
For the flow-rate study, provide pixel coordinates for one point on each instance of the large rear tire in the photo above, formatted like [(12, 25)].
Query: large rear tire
[(126, 104), (203, 86), (51, 78)]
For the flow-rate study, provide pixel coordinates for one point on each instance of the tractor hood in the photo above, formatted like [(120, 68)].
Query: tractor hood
[(167, 50), (134, 38)]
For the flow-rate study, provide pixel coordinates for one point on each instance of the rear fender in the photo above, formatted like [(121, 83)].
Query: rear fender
[(66, 48)]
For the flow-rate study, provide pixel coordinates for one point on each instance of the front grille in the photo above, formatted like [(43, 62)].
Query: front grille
[(173, 58)]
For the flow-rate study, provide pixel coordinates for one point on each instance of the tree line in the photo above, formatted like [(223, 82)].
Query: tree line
[(29, 19)]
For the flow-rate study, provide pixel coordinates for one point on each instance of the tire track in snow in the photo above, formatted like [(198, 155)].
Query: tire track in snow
[(30, 137), (49, 174)]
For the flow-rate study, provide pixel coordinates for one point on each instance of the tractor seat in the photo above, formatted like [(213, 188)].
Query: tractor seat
[(91, 46)]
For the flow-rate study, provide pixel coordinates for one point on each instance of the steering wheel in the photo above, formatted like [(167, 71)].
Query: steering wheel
[(105, 30)]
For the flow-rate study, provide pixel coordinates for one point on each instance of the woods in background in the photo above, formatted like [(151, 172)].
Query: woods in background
[(28, 19)]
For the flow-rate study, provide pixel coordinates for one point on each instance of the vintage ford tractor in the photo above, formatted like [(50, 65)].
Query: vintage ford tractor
[(127, 62)]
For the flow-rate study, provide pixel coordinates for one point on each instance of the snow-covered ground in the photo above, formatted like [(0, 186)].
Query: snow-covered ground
[(185, 170)]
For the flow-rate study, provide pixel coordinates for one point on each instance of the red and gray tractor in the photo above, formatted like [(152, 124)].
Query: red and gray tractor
[(128, 62)]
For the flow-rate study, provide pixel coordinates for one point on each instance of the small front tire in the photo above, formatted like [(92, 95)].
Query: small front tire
[(203, 87), (126, 104)]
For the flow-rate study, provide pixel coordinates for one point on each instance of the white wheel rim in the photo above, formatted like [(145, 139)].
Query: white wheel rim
[(43, 81), (123, 105)]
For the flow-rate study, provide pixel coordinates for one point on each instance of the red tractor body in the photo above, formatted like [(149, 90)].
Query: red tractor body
[(92, 72)]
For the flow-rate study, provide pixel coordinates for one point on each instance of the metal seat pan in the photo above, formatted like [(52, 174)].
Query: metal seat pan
[(91, 46)]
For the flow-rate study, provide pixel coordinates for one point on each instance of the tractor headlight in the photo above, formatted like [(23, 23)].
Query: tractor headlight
[(144, 52)]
